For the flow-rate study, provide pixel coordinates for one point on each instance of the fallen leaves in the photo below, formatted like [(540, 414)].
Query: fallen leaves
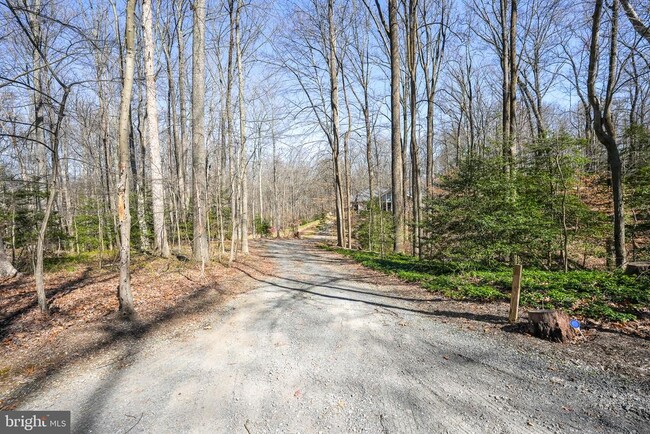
[(83, 303)]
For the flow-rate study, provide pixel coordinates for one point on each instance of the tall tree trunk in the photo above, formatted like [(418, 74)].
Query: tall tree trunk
[(470, 107), (199, 188), (259, 175), (429, 163), (139, 176), (176, 145), (346, 158), (397, 174), (276, 206), (505, 85), (222, 236), (602, 119), (406, 95), (412, 43), (124, 217), (68, 214), (39, 86), (106, 158), (366, 121), (512, 92), (334, 141), (160, 243), (40, 244), (243, 157), (361, 71), (431, 56), (348, 202), (230, 143), (184, 182)]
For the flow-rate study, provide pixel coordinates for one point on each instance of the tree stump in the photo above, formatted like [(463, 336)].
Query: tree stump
[(552, 325), (641, 267)]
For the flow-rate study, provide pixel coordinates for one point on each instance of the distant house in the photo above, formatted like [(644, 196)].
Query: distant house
[(362, 198)]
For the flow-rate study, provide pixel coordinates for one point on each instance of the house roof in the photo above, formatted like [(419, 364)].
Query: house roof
[(364, 195), (386, 195)]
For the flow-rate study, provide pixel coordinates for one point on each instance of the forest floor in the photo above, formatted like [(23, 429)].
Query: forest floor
[(83, 319), (309, 341)]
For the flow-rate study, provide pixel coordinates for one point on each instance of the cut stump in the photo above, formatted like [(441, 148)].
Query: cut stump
[(552, 325), (640, 267)]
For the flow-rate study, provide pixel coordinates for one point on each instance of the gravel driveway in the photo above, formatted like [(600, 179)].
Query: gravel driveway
[(320, 348)]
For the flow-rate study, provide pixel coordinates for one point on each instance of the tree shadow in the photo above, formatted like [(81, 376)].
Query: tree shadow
[(309, 287), (328, 283), (27, 300), (124, 336), (131, 334)]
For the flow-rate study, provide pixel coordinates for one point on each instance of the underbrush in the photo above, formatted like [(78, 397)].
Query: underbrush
[(71, 262), (599, 295)]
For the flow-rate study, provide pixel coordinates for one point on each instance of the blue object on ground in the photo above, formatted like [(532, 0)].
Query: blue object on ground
[(575, 324)]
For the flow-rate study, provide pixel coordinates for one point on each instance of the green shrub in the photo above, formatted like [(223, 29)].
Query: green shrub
[(262, 226), (487, 216), (611, 296), (374, 229)]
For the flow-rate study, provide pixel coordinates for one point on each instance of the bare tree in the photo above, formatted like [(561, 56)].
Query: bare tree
[(397, 180), (123, 213), (500, 21), (432, 51), (333, 65), (346, 162), (138, 144), (642, 29), (513, 65), (32, 32), (39, 82), (359, 54), (602, 118), (184, 183), (161, 245), (318, 42), (243, 158), (199, 184), (412, 44), (539, 66), (176, 150), (228, 133)]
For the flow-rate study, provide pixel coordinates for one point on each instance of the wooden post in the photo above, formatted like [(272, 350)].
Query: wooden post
[(514, 296)]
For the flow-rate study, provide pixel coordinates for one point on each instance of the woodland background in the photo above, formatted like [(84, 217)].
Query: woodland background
[(460, 135)]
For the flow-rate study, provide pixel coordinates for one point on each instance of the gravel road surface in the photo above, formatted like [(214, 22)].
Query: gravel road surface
[(319, 347)]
